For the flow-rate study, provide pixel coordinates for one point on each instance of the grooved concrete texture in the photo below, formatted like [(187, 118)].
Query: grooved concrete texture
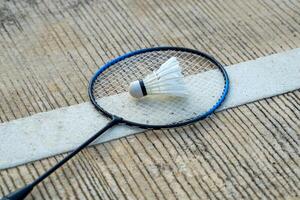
[(49, 50)]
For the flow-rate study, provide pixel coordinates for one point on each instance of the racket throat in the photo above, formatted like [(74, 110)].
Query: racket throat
[(116, 120)]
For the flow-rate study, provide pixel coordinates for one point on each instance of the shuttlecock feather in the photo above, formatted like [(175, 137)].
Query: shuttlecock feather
[(167, 80)]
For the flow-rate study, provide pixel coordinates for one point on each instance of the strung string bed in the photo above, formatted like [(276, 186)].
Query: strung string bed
[(203, 78)]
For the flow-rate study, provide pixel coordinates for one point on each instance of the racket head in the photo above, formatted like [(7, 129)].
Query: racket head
[(133, 59)]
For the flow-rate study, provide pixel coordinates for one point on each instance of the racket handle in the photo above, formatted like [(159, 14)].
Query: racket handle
[(19, 194)]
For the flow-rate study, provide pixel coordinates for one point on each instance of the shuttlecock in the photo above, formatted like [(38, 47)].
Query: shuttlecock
[(167, 80)]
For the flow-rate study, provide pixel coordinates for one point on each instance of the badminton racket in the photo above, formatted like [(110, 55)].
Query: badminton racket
[(204, 77)]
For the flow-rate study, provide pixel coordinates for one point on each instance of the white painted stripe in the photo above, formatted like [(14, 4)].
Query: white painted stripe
[(49, 133)]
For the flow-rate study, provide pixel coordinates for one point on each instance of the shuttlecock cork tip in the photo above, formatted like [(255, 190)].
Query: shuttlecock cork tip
[(136, 90), (167, 80)]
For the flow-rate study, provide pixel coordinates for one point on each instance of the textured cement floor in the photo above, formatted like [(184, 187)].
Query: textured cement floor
[(50, 49)]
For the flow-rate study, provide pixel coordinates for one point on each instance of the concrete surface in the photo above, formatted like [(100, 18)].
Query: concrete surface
[(50, 49)]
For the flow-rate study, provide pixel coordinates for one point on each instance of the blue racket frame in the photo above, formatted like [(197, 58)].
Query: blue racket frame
[(164, 48)]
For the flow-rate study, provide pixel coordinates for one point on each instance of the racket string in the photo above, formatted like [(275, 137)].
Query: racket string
[(139, 66), (116, 79)]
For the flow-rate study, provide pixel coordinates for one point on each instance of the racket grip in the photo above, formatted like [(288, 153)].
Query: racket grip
[(19, 194)]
